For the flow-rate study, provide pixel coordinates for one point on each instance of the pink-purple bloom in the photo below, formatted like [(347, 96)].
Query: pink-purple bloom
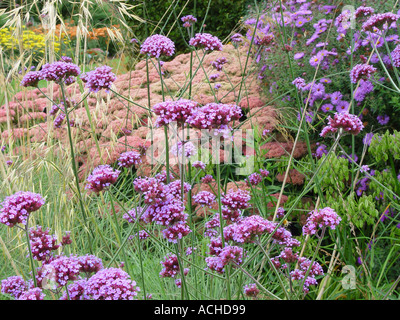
[(325, 217), (100, 78), (350, 123), (101, 178), (206, 41), (158, 45)]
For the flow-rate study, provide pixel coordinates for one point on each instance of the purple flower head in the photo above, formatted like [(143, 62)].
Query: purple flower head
[(214, 115), (254, 179), (90, 263), (111, 284), (76, 291), (327, 107), (42, 243), (206, 41), (59, 71), (101, 178), (378, 20), (170, 111), (99, 78), (31, 79), (342, 106), (199, 165), (361, 71), (188, 20), (129, 159), (59, 120), (383, 120), (14, 286), (248, 228), (176, 232), (298, 55), (170, 266), (237, 38), (219, 63), (17, 207), (396, 56), (62, 269), (325, 217), (204, 198), (348, 122), (236, 199), (157, 45), (32, 294)]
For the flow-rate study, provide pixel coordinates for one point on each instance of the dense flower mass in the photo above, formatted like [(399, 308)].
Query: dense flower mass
[(32, 294), (90, 263), (111, 284), (170, 111), (129, 159), (42, 243), (14, 286), (99, 78), (251, 290), (206, 41), (101, 178), (214, 115), (59, 71), (31, 79), (63, 269), (170, 266), (17, 207), (378, 20), (361, 71), (350, 123), (158, 45), (204, 198), (325, 217)]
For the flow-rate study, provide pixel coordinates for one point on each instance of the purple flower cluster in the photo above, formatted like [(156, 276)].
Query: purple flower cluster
[(101, 178), (186, 149), (254, 179), (129, 159), (199, 165), (170, 111), (17, 207), (378, 20), (305, 266), (188, 20), (206, 41), (214, 115), (14, 286), (90, 264), (228, 254), (350, 123), (166, 207), (42, 243), (170, 266), (251, 290), (361, 71), (32, 294), (219, 63), (63, 269), (111, 284), (325, 217), (99, 78), (31, 79), (59, 71), (204, 198), (157, 45), (76, 291)]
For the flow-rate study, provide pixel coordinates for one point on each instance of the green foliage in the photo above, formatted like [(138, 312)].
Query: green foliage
[(361, 211), (382, 146), (220, 18), (334, 173)]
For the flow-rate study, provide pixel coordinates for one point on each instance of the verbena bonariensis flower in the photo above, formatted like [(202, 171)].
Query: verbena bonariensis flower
[(230, 214), (59, 120), (170, 266), (305, 266), (174, 188), (214, 115), (129, 159), (188, 20), (325, 217), (111, 284), (31, 79), (251, 290), (63, 269), (101, 178), (66, 59), (59, 71), (100, 78), (254, 179), (168, 212), (236, 199), (42, 243), (157, 45), (176, 232), (361, 71), (14, 286), (206, 41), (237, 38), (229, 254), (32, 294), (204, 198), (90, 263), (219, 63), (153, 190), (383, 120), (17, 207), (199, 165), (215, 246), (247, 229), (378, 20), (396, 56), (76, 291), (171, 111), (186, 149), (350, 123), (207, 178)]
